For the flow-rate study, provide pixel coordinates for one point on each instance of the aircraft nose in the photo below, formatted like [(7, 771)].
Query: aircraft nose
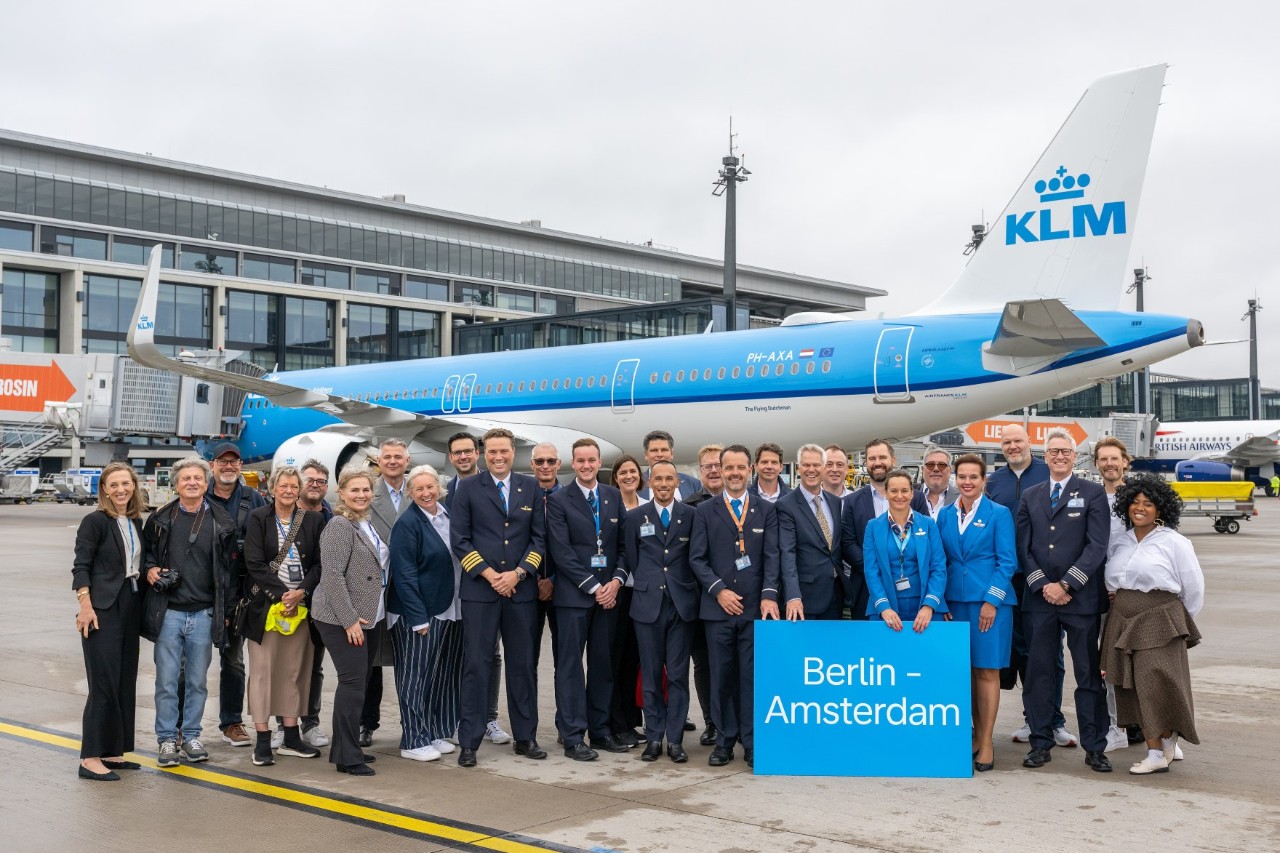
[(1195, 334)]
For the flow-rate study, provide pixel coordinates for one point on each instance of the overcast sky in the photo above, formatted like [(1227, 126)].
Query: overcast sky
[(877, 132)]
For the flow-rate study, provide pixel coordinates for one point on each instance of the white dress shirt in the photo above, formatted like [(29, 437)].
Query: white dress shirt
[(440, 521), (1164, 559), (964, 519)]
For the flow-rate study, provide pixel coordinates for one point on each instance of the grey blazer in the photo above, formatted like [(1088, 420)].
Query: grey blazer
[(350, 576), (382, 512)]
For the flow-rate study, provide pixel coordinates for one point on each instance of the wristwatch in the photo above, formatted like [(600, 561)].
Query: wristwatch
[(1065, 586), (521, 574)]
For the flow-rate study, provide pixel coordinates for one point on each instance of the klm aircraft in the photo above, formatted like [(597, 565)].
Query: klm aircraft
[(1032, 316)]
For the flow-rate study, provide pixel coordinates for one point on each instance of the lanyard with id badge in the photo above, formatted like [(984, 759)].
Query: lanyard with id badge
[(291, 562), (744, 561), (901, 539), (598, 559)]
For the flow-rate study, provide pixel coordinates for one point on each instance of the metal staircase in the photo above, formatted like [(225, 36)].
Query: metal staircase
[(23, 443)]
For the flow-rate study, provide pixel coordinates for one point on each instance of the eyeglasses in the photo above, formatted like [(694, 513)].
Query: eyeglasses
[(312, 481), (712, 466), (545, 461), (462, 453), (227, 463), (937, 466), (1060, 451)]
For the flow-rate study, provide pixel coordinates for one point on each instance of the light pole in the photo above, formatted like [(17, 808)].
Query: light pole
[(732, 173), (1255, 387), (1141, 386)]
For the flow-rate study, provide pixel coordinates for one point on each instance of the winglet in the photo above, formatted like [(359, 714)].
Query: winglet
[(141, 340)]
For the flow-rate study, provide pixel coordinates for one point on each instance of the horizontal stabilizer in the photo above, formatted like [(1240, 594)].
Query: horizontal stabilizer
[(814, 318), (1033, 334)]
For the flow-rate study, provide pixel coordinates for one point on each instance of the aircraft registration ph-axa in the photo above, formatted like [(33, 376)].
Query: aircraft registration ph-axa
[(1031, 317)]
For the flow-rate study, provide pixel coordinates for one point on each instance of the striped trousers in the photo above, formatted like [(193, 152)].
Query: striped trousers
[(428, 673)]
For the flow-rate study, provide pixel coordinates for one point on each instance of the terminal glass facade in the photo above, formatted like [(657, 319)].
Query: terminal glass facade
[(281, 332), (686, 318), (30, 318), (183, 315)]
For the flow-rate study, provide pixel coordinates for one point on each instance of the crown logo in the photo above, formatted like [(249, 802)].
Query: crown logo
[(1063, 186)]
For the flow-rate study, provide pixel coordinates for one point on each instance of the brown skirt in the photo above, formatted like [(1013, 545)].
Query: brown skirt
[(279, 674), (1144, 652)]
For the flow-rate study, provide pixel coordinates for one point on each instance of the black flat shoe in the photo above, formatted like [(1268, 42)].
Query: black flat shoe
[(466, 757), (708, 736), (720, 756), (365, 738), (749, 755), (984, 766), (652, 751), (355, 769), (677, 754), (529, 749), (689, 725), (581, 752), (369, 759), (609, 744), (1098, 761), (109, 776), (122, 765)]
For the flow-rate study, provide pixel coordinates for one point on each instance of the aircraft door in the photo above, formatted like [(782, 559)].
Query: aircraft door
[(449, 399), (624, 385), (463, 397), (889, 372)]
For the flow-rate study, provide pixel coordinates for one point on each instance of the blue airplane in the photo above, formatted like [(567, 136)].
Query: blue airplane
[(1032, 316)]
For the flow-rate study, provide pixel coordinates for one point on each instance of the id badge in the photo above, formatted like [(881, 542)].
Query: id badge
[(599, 561), (295, 573), (743, 562), (647, 530), (903, 584)]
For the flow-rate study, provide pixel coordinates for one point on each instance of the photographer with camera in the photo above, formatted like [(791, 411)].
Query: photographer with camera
[(189, 543)]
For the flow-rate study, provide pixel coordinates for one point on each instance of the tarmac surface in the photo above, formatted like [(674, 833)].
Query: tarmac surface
[(1224, 796)]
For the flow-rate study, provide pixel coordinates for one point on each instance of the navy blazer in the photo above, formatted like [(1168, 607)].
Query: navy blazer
[(659, 564), (688, 487), (856, 513), (571, 533), (881, 555), (808, 565), (713, 550), (1067, 544), (981, 563), (482, 536), (421, 569)]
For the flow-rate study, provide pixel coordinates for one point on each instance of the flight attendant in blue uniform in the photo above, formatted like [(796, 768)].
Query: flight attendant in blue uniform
[(982, 556), (904, 562)]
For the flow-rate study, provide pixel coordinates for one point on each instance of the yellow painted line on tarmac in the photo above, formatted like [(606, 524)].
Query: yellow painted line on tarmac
[(330, 805)]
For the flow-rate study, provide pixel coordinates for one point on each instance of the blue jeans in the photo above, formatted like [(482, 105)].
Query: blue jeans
[(182, 636)]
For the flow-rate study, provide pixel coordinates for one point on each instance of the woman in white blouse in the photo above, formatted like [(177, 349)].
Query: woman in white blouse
[(1157, 588)]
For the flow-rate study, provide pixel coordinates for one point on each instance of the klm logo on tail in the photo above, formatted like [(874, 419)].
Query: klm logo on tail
[(1087, 220)]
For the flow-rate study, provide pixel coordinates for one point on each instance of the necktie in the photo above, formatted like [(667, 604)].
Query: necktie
[(737, 508), (822, 520), (502, 493), (666, 518), (1054, 495)]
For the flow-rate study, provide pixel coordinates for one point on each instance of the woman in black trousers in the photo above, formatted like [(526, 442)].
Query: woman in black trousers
[(108, 559)]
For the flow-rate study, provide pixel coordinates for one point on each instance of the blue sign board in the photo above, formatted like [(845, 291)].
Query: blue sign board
[(859, 699)]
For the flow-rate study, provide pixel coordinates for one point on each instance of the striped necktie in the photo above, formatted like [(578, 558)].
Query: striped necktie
[(1054, 495), (822, 520)]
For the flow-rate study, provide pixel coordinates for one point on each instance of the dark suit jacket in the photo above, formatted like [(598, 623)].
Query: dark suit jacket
[(99, 558), (858, 510), (783, 490), (659, 564), (571, 535), (262, 544), (689, 486), (421, 569), (713, 550), (1067, 544), (808, 565), (484, 537)]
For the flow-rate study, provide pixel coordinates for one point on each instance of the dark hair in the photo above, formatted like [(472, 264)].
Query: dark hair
[(898, 472), (736, 448), (459, 436), (1160, 493), (584, 442), (768, 447), (623, 460), (499, 432), (659, 435), (878, 441), (970, 459), (317, 465)]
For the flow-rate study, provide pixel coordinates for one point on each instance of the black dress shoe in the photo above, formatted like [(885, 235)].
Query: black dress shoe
[(366, 737), (466, 757), (1037, 758), (356, 769), (628, 738), (1098, 761), (749, 756), (109, 776), (609, 744), (984, 766), (689, 726), (369, 759), (1135, 734), (529, 749), (581, 752), (122, 765), (720, 756), (709, 735), (652, 751), (677, 754)]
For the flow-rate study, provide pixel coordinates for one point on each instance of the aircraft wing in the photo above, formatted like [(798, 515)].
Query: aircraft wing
[(363, 418), (1255, 451)]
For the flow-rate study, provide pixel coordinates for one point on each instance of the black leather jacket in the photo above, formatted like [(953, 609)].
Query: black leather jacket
[(156, 535)]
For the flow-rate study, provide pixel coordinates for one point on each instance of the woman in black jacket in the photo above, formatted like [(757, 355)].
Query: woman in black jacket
[(279, 663), (108, 561)]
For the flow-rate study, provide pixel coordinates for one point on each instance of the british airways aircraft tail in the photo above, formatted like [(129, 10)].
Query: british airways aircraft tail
[(1067, 231)]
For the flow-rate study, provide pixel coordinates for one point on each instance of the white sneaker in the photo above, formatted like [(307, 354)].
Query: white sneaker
[(496, 734), (1150, 764), (1117, 738), (1062, 737), (277, 738), (1022, 735), (443, 746), (315, 737), (1177, 753), (422, 753)]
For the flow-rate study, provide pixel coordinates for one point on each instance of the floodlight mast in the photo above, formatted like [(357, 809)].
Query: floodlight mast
[(732, 173)]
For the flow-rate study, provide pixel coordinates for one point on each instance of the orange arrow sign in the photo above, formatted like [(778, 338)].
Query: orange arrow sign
[(26, 387), (988, 431)]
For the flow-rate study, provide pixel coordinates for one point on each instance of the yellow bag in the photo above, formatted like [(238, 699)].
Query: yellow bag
[(286, 625)]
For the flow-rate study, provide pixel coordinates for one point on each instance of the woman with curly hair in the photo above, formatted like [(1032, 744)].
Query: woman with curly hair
[(1157, 588)]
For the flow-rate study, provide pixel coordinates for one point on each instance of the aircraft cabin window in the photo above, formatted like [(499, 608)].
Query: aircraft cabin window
[(566, 383), (777, 371), (521, 386), (577, 383), (679, 375), (653, 378), (795, 367), (488, 388), (693, 375), (706, 374), (555, 385), (826, 367), (808, 368), (751, 370), (737, 371), (509, 386), (543, 385), (666, 377), (720, 373), (604, 380)]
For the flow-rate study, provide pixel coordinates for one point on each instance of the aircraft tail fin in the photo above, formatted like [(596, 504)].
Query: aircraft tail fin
[(1067, 231)]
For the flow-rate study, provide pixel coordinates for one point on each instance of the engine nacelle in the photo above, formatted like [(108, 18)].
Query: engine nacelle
[(1203, 471), (335, 450)]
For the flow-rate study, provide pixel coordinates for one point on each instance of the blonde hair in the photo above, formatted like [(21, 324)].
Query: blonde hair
[(136, 501), (346, 476), (419, 471)]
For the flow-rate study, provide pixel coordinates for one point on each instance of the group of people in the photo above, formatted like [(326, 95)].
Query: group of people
[(646, 583)]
